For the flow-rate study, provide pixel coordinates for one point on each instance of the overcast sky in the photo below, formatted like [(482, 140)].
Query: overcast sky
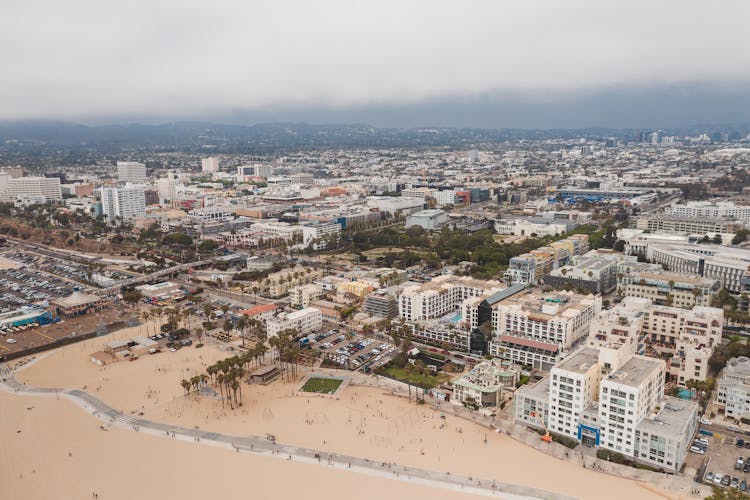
[(83, 59)]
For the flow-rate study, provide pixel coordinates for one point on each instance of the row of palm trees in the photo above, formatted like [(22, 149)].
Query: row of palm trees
[(228, 372)]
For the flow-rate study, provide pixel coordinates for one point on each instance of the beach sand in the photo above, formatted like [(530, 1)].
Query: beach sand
[(364, 422), (60, 453)]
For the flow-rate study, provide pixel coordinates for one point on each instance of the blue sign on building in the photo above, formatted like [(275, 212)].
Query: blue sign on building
[(589, 432)]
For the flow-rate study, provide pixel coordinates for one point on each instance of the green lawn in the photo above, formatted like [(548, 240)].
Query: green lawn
[(322, 385), (405, 375)]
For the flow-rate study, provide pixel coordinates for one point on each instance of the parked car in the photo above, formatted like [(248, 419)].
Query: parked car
[(743, 485), (705, 421), (695, 449), (726, 481), (740, 443), (735, 483), (718, 478), (709, 476), (733, 428), (746, 467)]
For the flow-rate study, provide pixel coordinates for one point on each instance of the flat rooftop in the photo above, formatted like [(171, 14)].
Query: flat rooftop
[(636, 371), (673, 419), (580, 361)]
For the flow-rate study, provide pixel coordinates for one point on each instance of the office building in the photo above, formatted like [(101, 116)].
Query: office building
[(427, 219), (209, 165), (43, 189), (131, 171)]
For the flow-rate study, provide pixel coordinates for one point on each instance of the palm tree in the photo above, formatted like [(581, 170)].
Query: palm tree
[(185, 385), (199, 334), (146, 316)]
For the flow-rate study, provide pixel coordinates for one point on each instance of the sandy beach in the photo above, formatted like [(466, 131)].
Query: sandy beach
[(361, 421), (52, 450)]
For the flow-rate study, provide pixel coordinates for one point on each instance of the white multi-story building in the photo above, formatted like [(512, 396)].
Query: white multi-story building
[(726, 264), (441, 296), (304, 321), (396, 204), (301, 296), (264, 171), (167, 188), (131, 171), (209, 165), (318, 234), (574, 384), (611, 399), (627, 396), (539, 329), (710, 210), (41, 188), (427, 219), (127, 202), (214, 213), (445, 197), (733, 392), (668, 288)]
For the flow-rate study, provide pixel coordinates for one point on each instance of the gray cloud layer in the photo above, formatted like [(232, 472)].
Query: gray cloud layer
[(88, 58)]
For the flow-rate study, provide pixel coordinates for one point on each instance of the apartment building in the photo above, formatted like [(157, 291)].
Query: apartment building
[(131, 171), (358, 288), (301, 296), (262, 234), (689, 336), (733, 391), (668, 288), (538, 329), (441, 296), (317, 234), (609, 398), (304, 321), (125, 203), (574, 384), (627, 396)]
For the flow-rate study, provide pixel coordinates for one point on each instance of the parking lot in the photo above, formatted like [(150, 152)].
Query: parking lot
[(357, 353), (727, 452)]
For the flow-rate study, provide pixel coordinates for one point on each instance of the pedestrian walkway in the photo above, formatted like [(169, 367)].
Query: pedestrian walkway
[(269, 447)]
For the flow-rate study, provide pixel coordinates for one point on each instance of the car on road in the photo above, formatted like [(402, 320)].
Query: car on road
[(733, 428), (705, 421)]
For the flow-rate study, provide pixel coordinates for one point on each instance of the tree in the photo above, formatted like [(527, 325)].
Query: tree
[(719, 493), (132, 297), (185, 385)]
